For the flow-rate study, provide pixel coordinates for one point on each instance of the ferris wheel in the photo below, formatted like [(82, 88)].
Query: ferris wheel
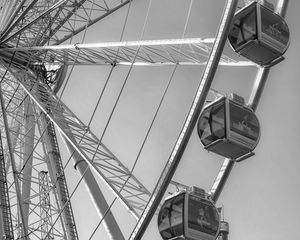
[(51, 131)]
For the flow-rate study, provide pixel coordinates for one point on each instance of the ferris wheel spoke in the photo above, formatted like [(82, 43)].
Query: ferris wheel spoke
[(40, 22), (29, 129), (190, 51), (109, 168)]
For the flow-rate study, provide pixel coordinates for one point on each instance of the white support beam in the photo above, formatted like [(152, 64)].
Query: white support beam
[(188, 51), (27, 157)]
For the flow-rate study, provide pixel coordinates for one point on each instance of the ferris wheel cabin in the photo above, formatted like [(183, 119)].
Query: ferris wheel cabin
[(189, 215), (259, 34), (229, 128)]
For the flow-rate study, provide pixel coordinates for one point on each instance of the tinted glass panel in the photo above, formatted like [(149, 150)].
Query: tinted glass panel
[(170, 218), (204, 127), (243, 121), (164, 225), (218, 121), (202, 216), (274, 26), (244, 27), (211, 125), (177, 215)]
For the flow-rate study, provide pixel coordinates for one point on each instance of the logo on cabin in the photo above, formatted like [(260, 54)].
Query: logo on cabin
[(274, 29)]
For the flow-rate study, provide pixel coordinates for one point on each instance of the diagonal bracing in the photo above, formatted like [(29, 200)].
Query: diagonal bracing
[(40, 22)]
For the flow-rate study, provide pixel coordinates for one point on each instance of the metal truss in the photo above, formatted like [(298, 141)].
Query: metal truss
[(31, 147), (27, 153), (40, 22), (193, 51), (119, 179), (6, 228), (45, 201)]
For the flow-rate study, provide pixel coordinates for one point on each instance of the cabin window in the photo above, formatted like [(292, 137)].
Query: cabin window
[(212, 124), (244, 122), (244, 28), (202, 217)]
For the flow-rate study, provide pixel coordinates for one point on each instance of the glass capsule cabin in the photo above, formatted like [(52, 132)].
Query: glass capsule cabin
[(190, 217), (228, 128), (259, 34)]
